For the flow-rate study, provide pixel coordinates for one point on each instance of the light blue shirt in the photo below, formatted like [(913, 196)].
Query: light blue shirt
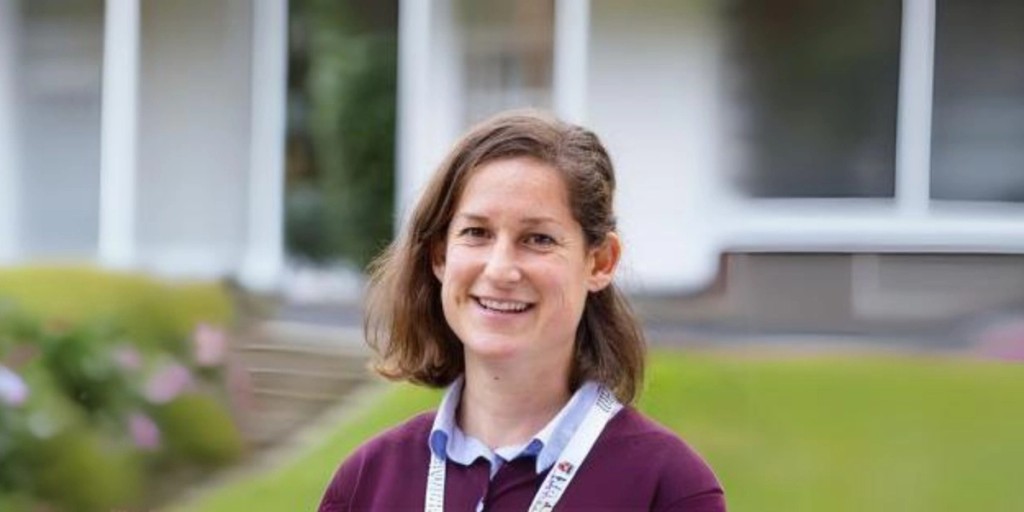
[(447, 440)]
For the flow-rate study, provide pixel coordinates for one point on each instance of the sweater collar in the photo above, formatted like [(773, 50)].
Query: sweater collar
[(447, 441)]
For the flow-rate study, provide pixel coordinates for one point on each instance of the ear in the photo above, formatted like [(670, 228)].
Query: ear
[(437, 259), (603, 261)]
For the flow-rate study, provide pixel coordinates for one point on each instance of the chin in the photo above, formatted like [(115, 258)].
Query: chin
[(494, 347)]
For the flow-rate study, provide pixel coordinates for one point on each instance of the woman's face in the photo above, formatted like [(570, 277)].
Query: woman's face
[(515, 268)]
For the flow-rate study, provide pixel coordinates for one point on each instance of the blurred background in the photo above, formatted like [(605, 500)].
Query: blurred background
[(822, 204)]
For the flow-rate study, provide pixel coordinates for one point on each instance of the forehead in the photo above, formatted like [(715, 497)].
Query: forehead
[(521, 182)]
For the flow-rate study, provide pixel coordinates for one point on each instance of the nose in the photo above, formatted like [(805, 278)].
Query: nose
[(502, 266)]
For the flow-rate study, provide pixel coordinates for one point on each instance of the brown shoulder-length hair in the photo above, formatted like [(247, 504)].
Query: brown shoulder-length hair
[(404, 321)]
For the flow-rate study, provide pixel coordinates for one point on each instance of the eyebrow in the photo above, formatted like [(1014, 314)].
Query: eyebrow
[(529, 221)]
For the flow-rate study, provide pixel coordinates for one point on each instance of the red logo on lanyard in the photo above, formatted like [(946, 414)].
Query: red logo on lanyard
[(565, 467)]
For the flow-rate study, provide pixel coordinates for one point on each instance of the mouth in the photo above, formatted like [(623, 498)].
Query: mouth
[(503, 306)]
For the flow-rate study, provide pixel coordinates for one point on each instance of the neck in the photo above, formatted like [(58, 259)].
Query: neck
[(503, 407)]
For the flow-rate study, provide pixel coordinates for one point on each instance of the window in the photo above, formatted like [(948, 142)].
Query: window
[(59, 72), (509, 51), (815, 91), (978, 110)]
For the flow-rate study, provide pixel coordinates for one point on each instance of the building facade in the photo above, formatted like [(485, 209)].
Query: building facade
[(823, 163), (860, 160), (144, 135)]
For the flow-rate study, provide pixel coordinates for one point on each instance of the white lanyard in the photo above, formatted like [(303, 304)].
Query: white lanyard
[(561, 473)]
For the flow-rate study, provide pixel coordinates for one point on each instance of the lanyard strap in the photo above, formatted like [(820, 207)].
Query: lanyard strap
[(569, 461), (435, 484), (564, 469)]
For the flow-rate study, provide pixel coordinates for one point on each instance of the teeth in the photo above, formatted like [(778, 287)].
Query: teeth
[(503, 305)]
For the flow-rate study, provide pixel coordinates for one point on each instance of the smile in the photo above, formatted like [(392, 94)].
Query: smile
[(503, 306)]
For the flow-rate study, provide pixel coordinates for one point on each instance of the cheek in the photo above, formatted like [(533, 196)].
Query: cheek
[(570, 287), (455, 274)]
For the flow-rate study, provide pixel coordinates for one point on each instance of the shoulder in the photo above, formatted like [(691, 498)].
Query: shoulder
[(681, 476), (404, 440), (631, 429), (396, 451)]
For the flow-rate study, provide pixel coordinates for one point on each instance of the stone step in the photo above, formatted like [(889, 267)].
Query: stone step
[(275, 411), (271, 422), (303, 384), (303, 359), (295, 372), (344, 338)]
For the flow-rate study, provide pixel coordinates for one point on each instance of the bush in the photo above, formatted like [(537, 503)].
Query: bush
[(199, 430), (340, 198), (99, 379), (83, 470)]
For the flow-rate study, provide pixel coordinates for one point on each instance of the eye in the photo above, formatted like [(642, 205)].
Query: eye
[(540, 240), (472, 232)]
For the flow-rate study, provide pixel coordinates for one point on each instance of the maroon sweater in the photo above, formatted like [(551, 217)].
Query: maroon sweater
[(635, 465)]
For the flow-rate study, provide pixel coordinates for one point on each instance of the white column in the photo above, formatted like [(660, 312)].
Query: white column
[(572, 27), (263, 261), (430, 93), (413, 123), (118, 134), (914, 133), (9, 151)]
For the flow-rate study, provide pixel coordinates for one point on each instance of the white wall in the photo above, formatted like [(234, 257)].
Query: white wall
[(194, 109), (652, 98)]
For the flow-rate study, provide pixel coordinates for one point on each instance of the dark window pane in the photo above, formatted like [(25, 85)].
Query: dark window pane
[(816, 92), (978, 119)]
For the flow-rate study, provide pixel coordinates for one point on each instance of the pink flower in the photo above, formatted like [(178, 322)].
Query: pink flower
[(167, 383), (127, 358), (145, 433), (13, 390), (1004, 340), (210, 344)]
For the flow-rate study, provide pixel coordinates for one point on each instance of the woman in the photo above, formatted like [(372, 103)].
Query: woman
[(501, 289)]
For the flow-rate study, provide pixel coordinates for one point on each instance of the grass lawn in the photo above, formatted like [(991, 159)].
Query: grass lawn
[(821, 433)]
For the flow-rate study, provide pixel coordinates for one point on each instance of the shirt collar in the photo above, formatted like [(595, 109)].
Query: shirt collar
[(448, 441)]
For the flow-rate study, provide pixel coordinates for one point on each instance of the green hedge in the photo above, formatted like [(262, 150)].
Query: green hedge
[(145, 309)]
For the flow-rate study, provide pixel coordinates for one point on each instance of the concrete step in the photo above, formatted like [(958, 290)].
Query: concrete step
[(344, 338), (303, 359), (295, 372), (303, 384)]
